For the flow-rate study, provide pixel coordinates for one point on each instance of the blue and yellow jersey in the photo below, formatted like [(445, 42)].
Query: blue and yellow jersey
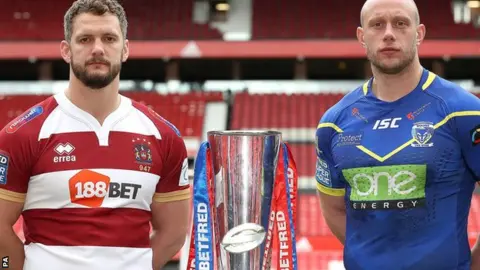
[(407, 170)]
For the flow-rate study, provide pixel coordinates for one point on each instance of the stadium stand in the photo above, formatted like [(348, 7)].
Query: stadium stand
[(295, 115), (307, 19), (149, 20), (159, 19)]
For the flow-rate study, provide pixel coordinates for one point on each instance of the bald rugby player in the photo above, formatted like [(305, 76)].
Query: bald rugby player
[(398, 156)]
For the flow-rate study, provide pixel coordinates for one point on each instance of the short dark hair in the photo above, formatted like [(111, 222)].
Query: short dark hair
[(96, 7)]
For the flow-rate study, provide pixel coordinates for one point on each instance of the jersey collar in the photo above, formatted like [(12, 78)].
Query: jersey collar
[(425, 81), (102, 131)]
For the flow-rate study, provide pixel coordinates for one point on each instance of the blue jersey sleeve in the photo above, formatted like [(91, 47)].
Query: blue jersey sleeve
[(329, 179), (465, 114)]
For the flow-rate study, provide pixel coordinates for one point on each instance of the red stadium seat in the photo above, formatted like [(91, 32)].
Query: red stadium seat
[(148, 20), (308, 19), (304, 158), (280, 110), (272, 19)]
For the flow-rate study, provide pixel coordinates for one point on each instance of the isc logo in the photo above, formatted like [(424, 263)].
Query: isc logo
[(387, 123), (90, 188)]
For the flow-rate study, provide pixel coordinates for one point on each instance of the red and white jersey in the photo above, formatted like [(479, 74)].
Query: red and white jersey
[(87, 188)]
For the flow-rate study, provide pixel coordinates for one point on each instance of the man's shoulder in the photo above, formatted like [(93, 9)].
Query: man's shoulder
[(165, 127), (455, 97), (332, 114), (30, 122)]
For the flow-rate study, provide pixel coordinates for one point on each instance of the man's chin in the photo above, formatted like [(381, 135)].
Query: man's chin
[(390, 67), (96, 86), (97, 82), (94, 72)]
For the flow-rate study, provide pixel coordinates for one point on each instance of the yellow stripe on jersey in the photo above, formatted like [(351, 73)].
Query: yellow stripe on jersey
[(331, 191), (330, 125), (12, 196), (456, 114), (178, 195), (406, 144), (431, 77), (365, 88), (387, 156)]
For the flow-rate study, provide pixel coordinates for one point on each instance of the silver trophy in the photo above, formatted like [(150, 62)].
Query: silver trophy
[(244, 164)]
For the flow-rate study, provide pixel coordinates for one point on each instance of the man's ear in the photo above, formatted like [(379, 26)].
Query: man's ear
[(360, 36), (421, 32), (126, 51), (65, 51)]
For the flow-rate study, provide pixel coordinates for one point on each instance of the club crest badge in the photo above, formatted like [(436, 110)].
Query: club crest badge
[(142, 151), (422, 133)]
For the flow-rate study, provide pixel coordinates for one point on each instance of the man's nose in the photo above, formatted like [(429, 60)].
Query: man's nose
[(98, 48), (389, 35)]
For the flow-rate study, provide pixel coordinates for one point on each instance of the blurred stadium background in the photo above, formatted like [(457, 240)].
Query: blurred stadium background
[(238, 64)]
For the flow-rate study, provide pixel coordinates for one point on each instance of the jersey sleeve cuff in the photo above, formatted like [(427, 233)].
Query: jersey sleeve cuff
[(177, 195), (12, 196), (331, 191)]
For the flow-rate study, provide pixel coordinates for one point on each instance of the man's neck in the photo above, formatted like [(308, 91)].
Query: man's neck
[(393, 87), (97, 102)]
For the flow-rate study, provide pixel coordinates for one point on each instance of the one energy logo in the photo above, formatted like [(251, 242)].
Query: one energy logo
[(24, 118), (387, 187), (90, 188)]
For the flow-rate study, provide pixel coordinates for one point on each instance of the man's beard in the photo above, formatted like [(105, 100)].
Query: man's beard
[(93, 80), (394, 69)]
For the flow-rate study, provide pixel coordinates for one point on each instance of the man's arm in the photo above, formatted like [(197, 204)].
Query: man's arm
[(170, 222), (466, 127), (171, 202), (333, 210), (15, 167), (10, 244), (330, 182)]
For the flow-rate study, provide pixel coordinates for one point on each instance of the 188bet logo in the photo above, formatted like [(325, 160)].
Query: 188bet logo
[(90, 189)]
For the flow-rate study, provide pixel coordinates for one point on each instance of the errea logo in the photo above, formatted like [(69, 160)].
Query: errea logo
[(64, 148), (64, 151)]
